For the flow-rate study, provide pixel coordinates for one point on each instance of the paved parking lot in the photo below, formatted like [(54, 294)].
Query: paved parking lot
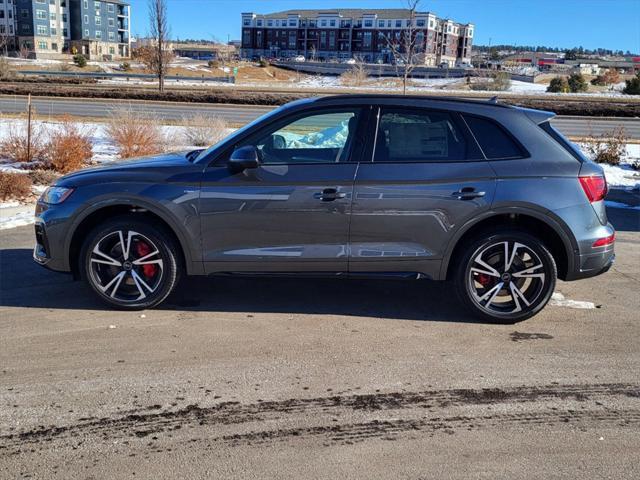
[(272, 378)]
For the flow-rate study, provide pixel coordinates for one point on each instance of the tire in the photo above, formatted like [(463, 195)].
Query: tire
[(505, 296), (118, 262)]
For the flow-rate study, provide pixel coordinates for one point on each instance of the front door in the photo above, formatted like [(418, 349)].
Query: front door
[(426, 177), (292, 212)]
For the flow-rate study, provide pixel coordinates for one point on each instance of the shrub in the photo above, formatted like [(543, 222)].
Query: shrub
[(133, 134), (608, 148), (577, 83), (558, 85), (500, 81), (632, 87), (356, 76), (80, 60), (609, 77), (202, 131), (14, 185), (213, 63), (15, 146), (70, 148), (263, 63), (125, 66), (43, 177), (6, 71)]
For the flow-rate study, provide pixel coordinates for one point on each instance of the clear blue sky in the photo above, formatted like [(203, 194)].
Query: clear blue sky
[(613, 24)]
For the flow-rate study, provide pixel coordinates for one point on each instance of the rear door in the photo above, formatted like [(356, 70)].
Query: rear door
[(425, 177), (291, 213)]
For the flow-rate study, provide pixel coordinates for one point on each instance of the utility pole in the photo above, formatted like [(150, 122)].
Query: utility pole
[(28, 159)]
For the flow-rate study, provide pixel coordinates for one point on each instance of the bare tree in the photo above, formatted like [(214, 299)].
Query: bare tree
[(159, 32), (404, 46)]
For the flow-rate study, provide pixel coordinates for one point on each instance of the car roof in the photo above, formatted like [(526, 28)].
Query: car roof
[(404, 99)]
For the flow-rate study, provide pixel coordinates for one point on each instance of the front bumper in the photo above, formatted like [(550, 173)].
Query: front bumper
[(50, 233)]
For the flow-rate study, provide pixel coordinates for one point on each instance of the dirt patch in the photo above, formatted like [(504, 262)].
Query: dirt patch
[(522, 336)]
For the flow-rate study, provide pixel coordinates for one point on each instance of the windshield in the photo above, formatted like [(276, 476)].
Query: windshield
[(229, 139)]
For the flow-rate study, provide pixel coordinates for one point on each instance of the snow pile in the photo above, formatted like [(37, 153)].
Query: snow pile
[(559, 300), (13, 215), (623, 175)]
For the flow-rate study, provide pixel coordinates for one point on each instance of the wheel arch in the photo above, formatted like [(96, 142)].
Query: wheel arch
[(108, 208), (546, 226)]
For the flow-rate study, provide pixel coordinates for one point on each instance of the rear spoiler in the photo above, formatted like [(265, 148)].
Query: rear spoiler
[(537, 116)]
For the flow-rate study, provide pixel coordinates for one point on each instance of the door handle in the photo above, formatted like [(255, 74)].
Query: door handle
[(329, 195), (468, 193)]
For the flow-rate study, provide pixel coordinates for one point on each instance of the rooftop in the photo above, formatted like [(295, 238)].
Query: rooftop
[(382, 13)]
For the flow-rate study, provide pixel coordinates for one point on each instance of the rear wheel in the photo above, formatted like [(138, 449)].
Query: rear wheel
[(130, 264), (506, 277)]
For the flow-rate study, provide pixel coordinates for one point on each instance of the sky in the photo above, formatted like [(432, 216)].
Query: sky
[(611, 24)]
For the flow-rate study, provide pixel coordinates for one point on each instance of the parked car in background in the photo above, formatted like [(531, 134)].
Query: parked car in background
[(298, 58), (489, 197)]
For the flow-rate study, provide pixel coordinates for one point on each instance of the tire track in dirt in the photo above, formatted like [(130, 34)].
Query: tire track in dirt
[(545, 399)]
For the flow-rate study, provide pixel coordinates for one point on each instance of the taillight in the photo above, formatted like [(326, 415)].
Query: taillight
[(595, 187), (603, 242)]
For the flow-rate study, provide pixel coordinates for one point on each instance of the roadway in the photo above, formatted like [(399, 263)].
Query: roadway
[(240, 114)]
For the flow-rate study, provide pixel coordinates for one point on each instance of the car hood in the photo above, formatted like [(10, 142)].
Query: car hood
[(136, 169)]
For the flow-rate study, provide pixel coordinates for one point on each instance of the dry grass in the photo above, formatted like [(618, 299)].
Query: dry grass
[(135, 135), (14, 185), (356, 76), (43, 177), (201, 130), (16, 146), (70, 147), (608, 148)]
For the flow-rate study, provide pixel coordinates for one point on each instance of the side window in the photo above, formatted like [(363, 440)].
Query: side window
[(493, 140), (418, 136), (314, 138)]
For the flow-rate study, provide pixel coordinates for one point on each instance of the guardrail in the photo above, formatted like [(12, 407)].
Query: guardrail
[(127, 76), (386, 70)]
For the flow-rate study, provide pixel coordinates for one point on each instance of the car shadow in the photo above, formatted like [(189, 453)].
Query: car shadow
[(25, 284)]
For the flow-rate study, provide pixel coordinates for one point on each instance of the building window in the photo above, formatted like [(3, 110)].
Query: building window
[(292, 22), (246, 22), (65, 32), (381, 23), (112, 51), (112, 36), (110, 7), (42, 45), (54, 31), (85, 4), (42, 30), (292, 40), (112, 22), (420, 23), (86, 19), (368, 23), (366, 40), (96, 5), (323, 23), (98, 21), (52, 16), (98, 34), (64, 18), (86, 33), (332, 23), (398, 23), (41, 15), (270, 23), (54, 47), (259, 23)]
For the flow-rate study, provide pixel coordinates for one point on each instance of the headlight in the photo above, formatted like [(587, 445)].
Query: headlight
[(56, 195)]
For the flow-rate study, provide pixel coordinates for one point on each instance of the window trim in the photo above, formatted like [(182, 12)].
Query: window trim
[(357, 148), (473, 152), (524, 152)]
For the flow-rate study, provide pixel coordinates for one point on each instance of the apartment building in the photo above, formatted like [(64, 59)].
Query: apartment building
[(98, 29), (7, 26), (367, 34)]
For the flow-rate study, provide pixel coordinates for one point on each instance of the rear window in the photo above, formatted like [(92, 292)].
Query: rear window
[(495, 142), (566, 144), (418, 136)]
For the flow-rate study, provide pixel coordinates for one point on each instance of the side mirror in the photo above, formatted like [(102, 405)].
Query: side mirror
[(244, 158)]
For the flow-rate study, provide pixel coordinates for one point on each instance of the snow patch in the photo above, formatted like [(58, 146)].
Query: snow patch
[(559, 300)]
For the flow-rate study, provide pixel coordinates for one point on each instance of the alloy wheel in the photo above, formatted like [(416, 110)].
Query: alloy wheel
[(506, 277), (126, 266)]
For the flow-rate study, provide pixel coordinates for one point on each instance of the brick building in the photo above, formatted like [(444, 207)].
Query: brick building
[(354, 33)]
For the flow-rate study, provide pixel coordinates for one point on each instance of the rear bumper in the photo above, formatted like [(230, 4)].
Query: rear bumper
[(593, 265)]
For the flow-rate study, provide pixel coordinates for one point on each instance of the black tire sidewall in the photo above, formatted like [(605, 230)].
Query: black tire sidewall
[(159, 237), (482, 241)]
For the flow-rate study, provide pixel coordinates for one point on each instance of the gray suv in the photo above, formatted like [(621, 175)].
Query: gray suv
[(488, 196)]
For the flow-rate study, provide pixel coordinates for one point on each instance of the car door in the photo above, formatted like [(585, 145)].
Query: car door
[(426, 177), (292, 212)]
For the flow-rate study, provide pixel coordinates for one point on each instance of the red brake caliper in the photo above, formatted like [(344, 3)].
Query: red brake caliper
[(483, 279), (142, 249)]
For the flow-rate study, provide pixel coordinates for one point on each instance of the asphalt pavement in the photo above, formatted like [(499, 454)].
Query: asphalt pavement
[(281, 378), (241, 114)]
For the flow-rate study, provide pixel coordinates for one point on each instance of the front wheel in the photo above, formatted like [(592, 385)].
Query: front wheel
[(130, 263), (506, 277)]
